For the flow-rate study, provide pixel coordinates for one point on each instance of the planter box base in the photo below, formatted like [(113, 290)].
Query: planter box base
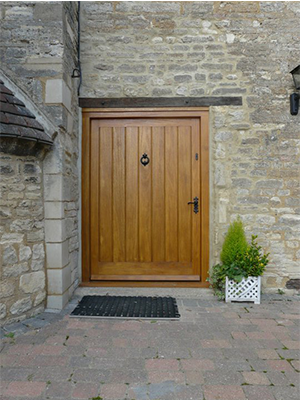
[(247, 290)]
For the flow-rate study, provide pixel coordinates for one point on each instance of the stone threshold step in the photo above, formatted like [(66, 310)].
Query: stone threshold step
[(184, 293)]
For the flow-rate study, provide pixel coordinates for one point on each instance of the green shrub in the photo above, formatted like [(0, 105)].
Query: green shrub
[(251, 263), (239, 260), (217, 278), (235, 243)]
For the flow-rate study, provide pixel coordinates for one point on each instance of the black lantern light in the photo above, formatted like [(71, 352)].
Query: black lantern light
[(294, 97)]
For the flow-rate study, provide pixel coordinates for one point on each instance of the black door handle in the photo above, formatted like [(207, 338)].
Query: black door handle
[(196, 204)]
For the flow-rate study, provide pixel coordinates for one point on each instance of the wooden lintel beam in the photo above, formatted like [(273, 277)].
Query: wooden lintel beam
[(142, 102)]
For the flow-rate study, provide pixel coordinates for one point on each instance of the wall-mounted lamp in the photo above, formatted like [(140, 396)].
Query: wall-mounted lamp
[(294, 97)]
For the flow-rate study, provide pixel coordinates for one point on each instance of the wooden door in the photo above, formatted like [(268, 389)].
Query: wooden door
[(141, 225)]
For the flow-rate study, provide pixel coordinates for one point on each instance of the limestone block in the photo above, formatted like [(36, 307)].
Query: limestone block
[(146, 7), (230, 38), (5, 212), (21, 225), (53, 186), (220, 174), (2, 310), (54, 161), (223, 136), (223, 204), (57, 254), (7, 288), (220, 151), (242, 182), (9, 256), (37, 265), (18, 12), (291, 220), (292, 244), (6, 169), (270, 183), (55, 231), (15, 196), (24, 253), (59, 280), (40, 297), (11, 238), (57, 92), (54, 210), (21, 306), (57, 302), (71, 225), (265, 219), (35, 236), (38, 251), (32, 282), (15, 270)]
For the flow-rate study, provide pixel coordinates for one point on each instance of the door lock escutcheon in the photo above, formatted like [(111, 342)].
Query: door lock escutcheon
[(196, 204)]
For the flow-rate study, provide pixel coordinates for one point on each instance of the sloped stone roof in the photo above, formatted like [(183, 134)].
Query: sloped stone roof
[(17, 121)]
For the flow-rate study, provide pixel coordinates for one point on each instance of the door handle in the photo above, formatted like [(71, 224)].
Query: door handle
[(196, 204)]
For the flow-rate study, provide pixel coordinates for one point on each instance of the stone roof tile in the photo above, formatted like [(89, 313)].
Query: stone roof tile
[(17, 121)]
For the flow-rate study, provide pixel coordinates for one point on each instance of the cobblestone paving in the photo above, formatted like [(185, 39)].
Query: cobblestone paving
[(216, 351)]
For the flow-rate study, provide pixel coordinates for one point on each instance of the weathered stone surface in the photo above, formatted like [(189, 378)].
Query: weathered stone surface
[(290, 220), (24, 253), (20, 306), (6, 289), (293, 284), (2, 310), (15, 270), (40, 297), (32, 282), (37, 265), (9, 255), (11, 238), (38, 252)]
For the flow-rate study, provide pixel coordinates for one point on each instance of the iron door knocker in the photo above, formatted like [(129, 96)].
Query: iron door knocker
[(145, 159)]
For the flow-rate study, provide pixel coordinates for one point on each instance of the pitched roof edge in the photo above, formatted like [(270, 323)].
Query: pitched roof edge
[(49, 128)]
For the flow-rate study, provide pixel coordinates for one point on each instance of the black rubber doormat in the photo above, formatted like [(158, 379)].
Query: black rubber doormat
[(127, 307)]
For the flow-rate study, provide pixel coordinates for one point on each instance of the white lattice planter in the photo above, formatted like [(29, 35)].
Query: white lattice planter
[(246, 290)]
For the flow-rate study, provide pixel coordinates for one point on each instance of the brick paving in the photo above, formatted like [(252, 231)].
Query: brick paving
[(216, 351)]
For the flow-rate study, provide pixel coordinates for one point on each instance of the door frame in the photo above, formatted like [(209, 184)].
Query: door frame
[(89, 114)]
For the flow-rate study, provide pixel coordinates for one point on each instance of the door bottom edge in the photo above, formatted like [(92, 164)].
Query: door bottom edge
[(154, 284)]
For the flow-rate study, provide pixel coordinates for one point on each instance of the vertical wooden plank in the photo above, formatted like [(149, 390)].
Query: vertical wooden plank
[(118, 199), (105, 207), (158, 193), (171, 193), (196, 218), (94, 191), (85, 179), (132, 194), (145, 178), (184, 193)]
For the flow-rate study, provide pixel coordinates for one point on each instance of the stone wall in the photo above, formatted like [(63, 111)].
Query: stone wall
[(152, 49), (22, 276), (38, 54)]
